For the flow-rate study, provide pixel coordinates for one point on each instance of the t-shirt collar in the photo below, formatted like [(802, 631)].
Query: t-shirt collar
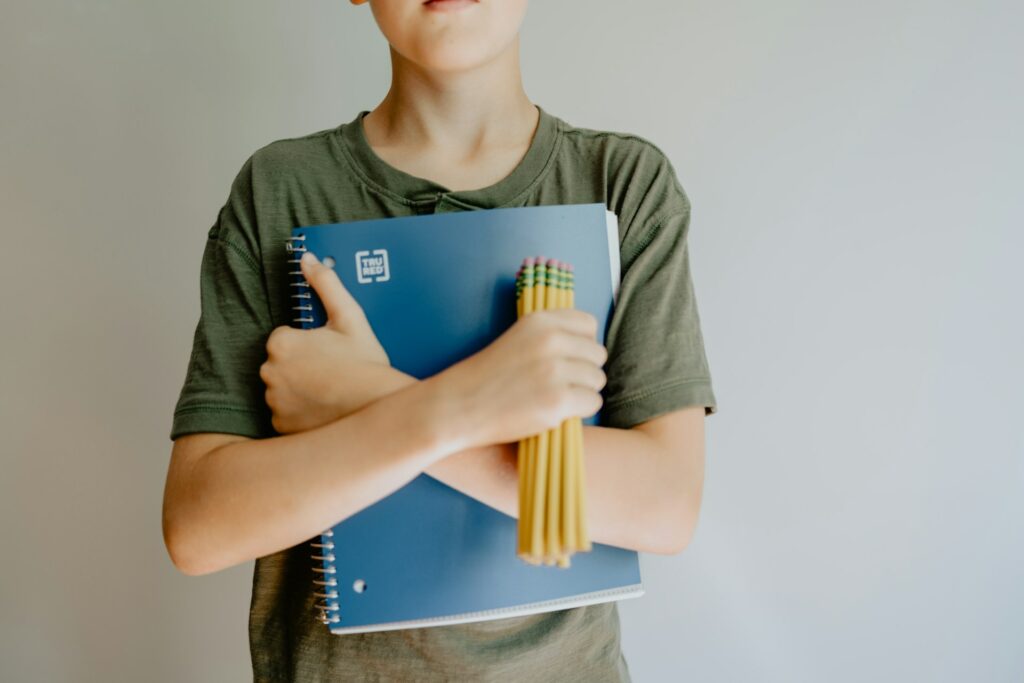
[(414, 190)]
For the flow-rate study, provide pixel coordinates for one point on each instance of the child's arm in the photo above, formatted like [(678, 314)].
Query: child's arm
[(230, 498), (644, 483), (645, 468)]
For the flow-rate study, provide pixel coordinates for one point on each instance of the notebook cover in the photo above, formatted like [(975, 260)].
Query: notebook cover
[(437, 288)]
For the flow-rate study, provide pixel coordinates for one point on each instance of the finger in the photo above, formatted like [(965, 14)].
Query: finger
[(584, 402), (573, 320), (280, 340), (341, 308), (585, 349), (583, 373)]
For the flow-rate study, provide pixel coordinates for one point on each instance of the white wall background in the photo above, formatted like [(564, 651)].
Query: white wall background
[(855, 172)]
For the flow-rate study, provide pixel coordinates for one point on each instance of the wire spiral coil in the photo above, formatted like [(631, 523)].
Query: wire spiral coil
[(323, 551)]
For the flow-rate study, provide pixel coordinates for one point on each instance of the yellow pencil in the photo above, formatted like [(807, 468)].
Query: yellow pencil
[(541, 460), (553, 547), (583, 537), (527, 445), (563, 551), (569, 457)]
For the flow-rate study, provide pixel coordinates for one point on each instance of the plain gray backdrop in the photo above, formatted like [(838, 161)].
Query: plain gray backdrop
[(855, 172)]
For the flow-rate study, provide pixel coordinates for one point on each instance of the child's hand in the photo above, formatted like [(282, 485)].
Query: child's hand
[(316, 376), (542, 370)]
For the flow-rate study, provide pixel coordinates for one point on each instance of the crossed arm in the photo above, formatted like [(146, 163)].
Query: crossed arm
[(229, 498), (355, 430), (644, 484)]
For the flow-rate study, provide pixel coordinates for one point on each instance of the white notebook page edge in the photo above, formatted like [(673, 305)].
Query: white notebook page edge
[(612, 229), (609, 595)]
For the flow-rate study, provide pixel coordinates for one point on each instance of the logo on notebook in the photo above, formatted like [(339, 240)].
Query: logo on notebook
[(372, 266)]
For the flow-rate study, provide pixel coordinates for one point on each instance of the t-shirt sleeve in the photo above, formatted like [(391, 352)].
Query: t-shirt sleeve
[(656, 358), (223, 391)]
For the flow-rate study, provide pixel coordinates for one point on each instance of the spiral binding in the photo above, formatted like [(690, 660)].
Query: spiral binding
[(324, 555), (323, 552), (299, 280)]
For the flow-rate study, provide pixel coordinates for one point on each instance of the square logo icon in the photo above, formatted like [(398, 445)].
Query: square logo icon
[(372, 266)]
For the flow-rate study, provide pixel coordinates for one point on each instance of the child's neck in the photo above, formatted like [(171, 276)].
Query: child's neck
[(464, 130)]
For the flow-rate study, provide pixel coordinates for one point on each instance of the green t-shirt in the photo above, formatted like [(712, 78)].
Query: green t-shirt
[(656, 364)]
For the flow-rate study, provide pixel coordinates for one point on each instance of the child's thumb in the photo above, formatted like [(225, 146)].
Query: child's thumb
[(341, 308)]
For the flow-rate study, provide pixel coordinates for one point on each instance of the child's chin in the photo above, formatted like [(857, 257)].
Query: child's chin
[(447, 55)]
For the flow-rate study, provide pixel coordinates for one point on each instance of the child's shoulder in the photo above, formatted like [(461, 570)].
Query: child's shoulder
[(639, 175), (283, 153), (622, 143)]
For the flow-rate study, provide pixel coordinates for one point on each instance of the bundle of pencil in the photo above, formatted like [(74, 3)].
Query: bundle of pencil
[(552, 491)]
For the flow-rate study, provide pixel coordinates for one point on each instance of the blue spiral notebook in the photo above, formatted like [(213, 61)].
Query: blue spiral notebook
[(437, 288)]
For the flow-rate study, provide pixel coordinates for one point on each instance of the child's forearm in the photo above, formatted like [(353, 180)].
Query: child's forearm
[(634, 494), (251, 497), (635, 498)]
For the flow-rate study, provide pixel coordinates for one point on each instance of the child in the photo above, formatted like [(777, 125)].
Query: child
[(280, 433)]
